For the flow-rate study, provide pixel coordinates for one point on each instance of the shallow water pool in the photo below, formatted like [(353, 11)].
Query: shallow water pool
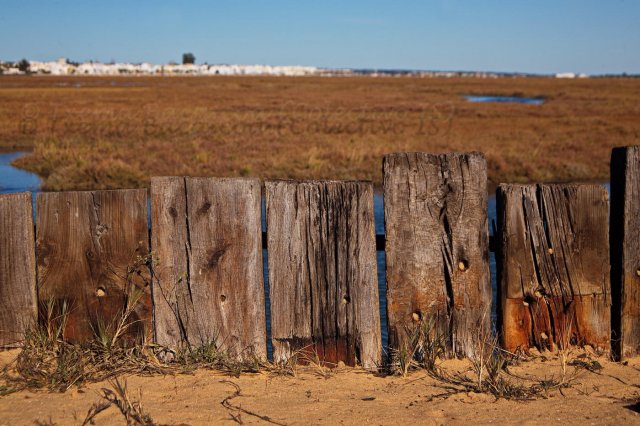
[(507, 99)]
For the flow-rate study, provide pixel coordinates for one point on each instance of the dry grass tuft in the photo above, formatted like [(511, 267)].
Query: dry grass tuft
[(118, 396), (425, 347)]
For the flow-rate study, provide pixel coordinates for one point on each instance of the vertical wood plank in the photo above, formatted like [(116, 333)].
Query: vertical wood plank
[(553, 266), (437, 250), (625, 251), (172, 307), (322, 271), (18, 305), (92, 249), (208, 285)]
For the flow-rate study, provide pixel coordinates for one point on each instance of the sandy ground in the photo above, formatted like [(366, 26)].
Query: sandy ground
[(348, 396)]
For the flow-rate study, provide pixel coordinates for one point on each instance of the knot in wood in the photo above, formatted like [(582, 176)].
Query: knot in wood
[(101, 229), (439, 196), (463, 265)]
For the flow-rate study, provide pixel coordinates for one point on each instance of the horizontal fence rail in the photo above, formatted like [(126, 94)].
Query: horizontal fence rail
[(381, 242), (568, 263)]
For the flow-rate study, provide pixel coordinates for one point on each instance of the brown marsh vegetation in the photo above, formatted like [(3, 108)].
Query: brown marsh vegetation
[(116, 132)]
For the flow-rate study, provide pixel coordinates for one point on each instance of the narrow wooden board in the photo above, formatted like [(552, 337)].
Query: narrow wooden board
[(553, 265), (625, 251), (322, 272), (92, 253), (208, 284), (437, 249), (18, 304), (172, 307)]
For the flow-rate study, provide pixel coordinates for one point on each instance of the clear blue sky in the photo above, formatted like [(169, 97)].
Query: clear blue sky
[(529, 36)]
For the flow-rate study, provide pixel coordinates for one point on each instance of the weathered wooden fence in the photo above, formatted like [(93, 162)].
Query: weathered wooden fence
[(625, 251), (208, 283), (553, 266), (322, 271), (18, 306), (195, 276), (437, 246), (89, 247)]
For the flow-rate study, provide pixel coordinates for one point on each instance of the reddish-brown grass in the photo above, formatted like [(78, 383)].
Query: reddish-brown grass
[(113, 132)]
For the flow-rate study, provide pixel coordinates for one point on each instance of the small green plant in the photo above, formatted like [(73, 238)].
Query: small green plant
[(209, 355), (48, 360), (422, 347), (109, 333)]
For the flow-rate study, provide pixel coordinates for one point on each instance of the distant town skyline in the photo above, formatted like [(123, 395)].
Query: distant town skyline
[(542, 36)]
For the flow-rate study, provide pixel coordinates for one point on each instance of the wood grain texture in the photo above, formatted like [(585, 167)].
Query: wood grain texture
[(170, 247), (322, 271), (437, 249), (625, 251), (553, 266), (91, 253), (208, 285), (18, 304)]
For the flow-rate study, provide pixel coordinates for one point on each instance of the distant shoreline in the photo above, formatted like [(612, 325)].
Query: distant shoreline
[(64, 67)]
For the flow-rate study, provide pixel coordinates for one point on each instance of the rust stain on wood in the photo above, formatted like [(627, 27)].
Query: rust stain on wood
[(553, 266), (322, 271), (437, 251)]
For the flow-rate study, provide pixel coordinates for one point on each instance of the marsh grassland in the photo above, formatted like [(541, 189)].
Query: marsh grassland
[(117, 132)]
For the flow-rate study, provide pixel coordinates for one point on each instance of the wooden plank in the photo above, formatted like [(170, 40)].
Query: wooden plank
[(92, 250), (322, 271), (170, 247), (437, 248), (553, 266), (18, 304), (208, 285), (625, 251)]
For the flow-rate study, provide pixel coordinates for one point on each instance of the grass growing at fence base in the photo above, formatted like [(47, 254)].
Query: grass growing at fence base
[(47, 361), (424, 349)]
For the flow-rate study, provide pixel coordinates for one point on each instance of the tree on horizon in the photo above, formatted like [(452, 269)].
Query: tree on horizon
[(188, 58), (24, 66)]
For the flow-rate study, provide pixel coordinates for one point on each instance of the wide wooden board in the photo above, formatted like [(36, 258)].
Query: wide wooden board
[(208, 283), (553, 265), (92, 255), (437, 250), (322, 271)]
